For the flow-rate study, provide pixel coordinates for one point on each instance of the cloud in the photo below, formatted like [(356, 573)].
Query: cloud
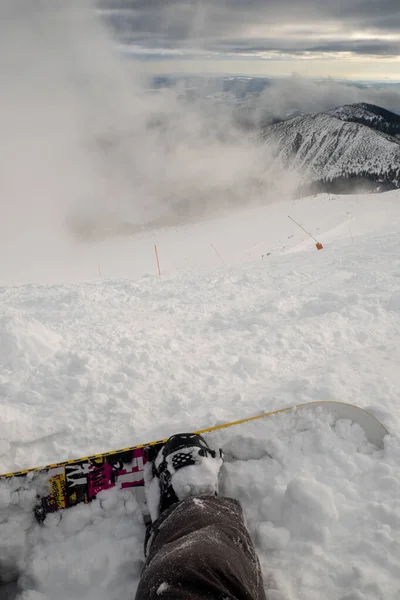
[(237, 26), (86, 148), (299, 94), (363, 47)]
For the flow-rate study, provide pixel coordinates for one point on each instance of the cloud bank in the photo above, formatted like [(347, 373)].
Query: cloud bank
[(86, 147), (258, 27), (301, 95)]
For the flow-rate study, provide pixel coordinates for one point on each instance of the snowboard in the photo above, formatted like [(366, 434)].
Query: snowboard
[(66, 484)]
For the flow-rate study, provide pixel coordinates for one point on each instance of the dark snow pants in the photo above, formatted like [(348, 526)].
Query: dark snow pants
[(200, 549)]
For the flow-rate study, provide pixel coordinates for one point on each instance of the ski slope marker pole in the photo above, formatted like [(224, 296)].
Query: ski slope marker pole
[(318, 244), (158, 262), (218, 254)]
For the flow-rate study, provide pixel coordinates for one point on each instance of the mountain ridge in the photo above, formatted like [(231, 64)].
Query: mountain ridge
[(370, 115), (351, 146)]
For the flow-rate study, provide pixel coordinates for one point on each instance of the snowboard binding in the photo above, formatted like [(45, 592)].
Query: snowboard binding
[(180, 451)]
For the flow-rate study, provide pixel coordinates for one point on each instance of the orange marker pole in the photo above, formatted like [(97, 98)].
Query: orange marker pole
[(158, 262), (318, 244)]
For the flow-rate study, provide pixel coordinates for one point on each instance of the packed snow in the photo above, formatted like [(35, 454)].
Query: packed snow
[(246, 317)]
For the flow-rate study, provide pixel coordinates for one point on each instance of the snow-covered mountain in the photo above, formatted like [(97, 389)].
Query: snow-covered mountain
[(353, 145), (370, 115)]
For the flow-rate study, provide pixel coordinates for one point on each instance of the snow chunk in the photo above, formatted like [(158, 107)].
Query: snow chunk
[(197, 480), (25, 342), (162, 588), (270, 537), (308, 508), (5, 497), (199, 503)]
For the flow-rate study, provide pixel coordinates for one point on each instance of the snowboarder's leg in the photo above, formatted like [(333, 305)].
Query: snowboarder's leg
[(200, 548)]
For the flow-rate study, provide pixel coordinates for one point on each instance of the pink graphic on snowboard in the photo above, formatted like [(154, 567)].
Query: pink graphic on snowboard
[(120, 475)]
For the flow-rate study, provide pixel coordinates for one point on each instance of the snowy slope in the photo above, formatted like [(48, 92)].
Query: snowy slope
[(92, 365), (346, 143)]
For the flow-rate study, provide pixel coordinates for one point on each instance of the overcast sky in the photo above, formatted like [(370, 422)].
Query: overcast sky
[(335, 37)]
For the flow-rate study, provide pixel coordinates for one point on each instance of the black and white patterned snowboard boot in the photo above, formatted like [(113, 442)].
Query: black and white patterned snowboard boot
[(184, 466)]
